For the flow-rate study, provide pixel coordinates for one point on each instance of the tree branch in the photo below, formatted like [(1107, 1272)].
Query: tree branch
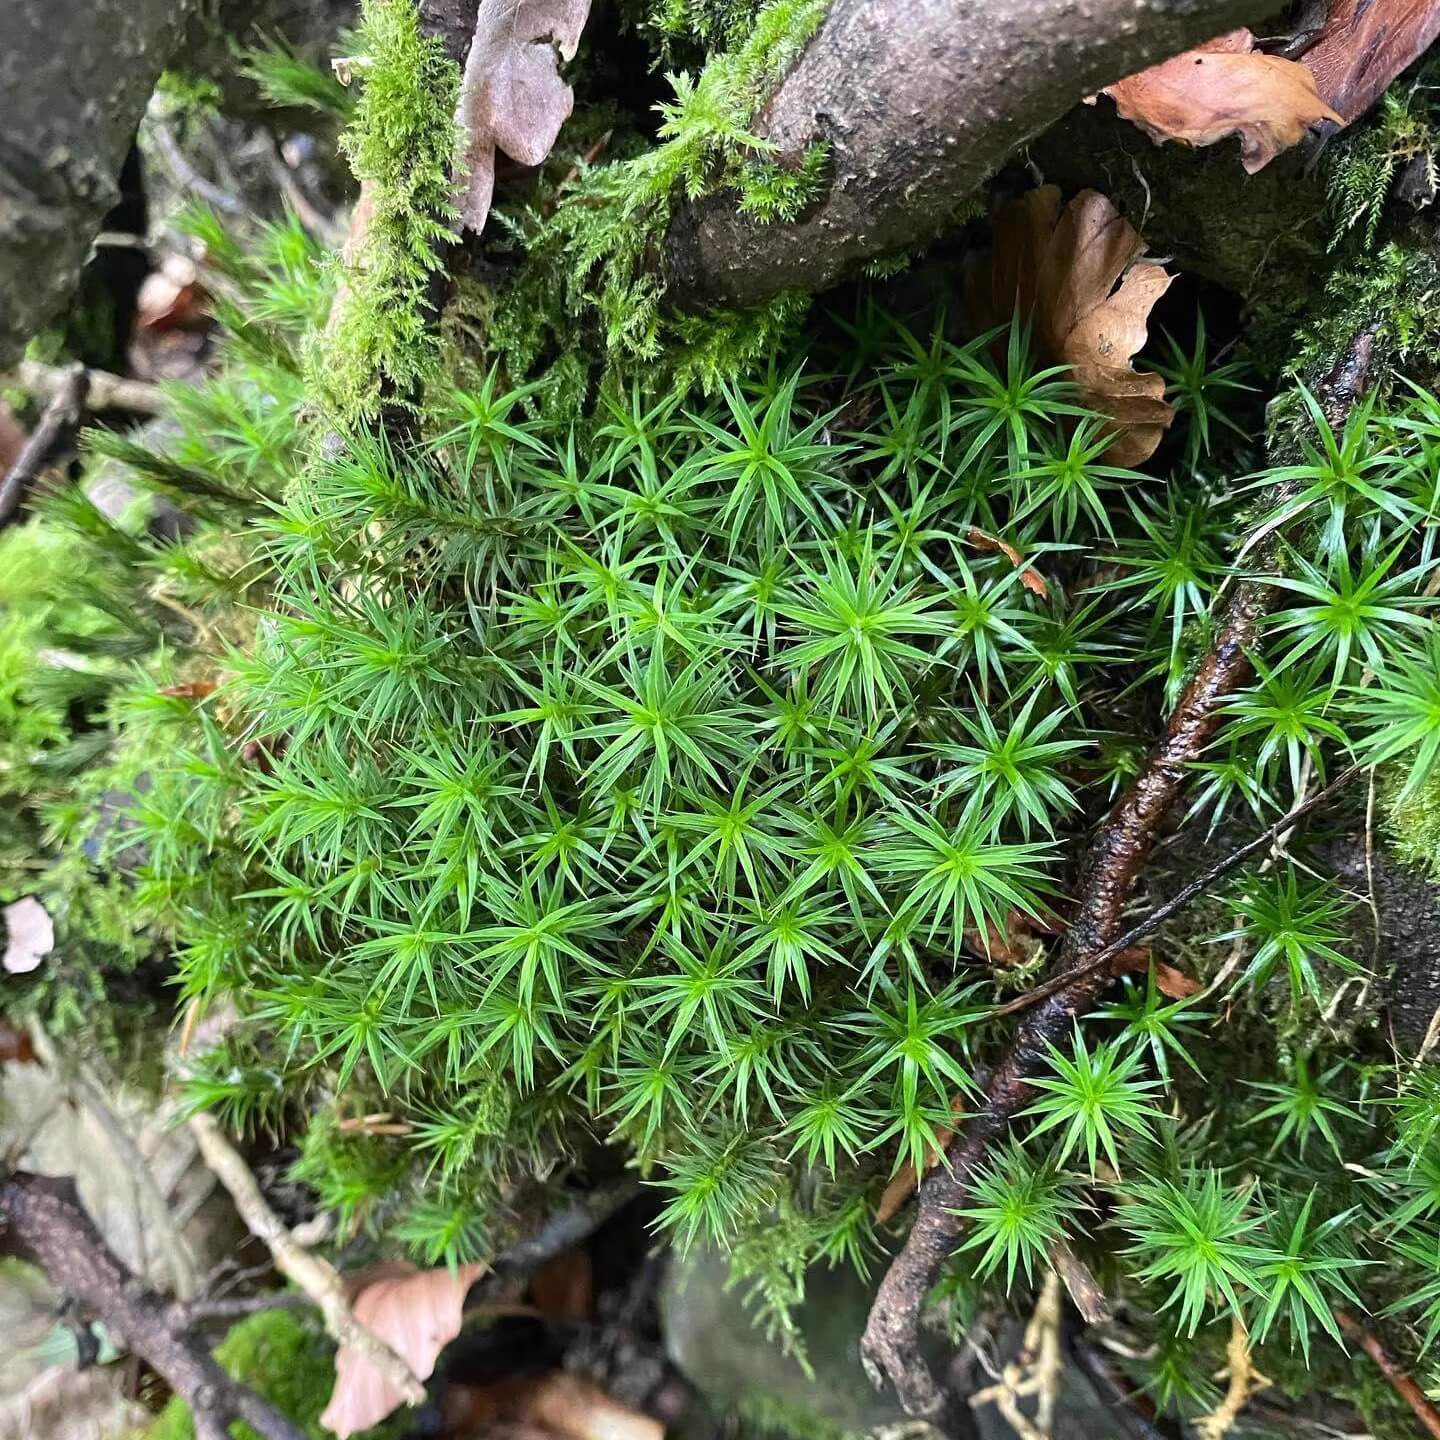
[(1122, 844), (1403, 1384), (45, 1216), (56, 428), (919, 102), (314, 1275)]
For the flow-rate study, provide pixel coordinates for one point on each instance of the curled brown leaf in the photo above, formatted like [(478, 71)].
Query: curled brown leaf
[(513, 97), (1221, 88), (1077, 277), (1030, 577)]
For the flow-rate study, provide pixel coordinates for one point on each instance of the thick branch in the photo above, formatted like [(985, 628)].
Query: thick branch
[(1121, 846), (315, 1276), (919, 101), (45, 1216)]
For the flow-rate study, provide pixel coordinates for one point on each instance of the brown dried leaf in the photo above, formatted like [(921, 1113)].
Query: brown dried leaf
[(417, 1313), (553, 1406), (513, 98), (1225, 87), (1364, 45), (29, 936), (1030, 578), (563, 1288), (1076, 275)]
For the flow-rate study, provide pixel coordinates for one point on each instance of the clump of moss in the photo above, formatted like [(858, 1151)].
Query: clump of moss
[(402, 146), (1414, 823), (599, 233)]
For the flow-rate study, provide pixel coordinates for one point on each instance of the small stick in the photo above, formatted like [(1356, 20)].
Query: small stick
[(1180, 899), (1402, 1383), (45, 1216), (56, 427), (1132, 1408), (315, 1276), (107, 391)]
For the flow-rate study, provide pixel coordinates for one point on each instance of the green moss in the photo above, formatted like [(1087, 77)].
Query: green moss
[(602, 237), (287, 1359), (402, 146), (768, 1415), (1414, 822)]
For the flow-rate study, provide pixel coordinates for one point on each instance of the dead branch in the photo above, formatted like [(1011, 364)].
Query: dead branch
[(918, 102), (1035, 1371), (890, 1347), (45, 1217), (58, 424), (106, 392), (1403, 1384), (1177, 902), (314, 1275)]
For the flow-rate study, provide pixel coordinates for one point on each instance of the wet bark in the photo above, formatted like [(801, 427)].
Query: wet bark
[(919, 101)]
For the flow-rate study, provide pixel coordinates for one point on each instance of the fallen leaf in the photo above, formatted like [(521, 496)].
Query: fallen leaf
[(190, 690), (30, 935), (553, 1406), (1172, 983), (1030, 578), (574, 1409), (417, 1313), (15, 1045), (1221, 88), (1077, 277), (1017, 946), (513, 97), (1364, 45), (563, 1288)]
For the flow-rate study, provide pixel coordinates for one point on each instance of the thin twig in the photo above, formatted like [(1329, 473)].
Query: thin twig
[(1244, 1382), (1177, 902), (59, 422), (1402, 1384), (1132, 1409), (197, 1312), (315, 1276), (189, 178)]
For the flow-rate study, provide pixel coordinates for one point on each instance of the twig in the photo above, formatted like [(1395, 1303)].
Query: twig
[(189, 178), (1403, 1385), (1034, 1371), (1122, 844), (197, 1312), (45, 1216), (1133, 1409), (59, 422), (1245, 1381), (315, 1276), (1080, 1283), (106, 392), (561, 1232), (1181, 898)]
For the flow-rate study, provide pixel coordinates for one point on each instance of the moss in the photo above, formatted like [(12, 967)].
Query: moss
[(288, 1360), (1414, 822), (600, 232), (402, 146), (762, 1414)]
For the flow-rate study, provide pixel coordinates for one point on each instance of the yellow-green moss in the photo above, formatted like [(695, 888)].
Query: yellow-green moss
[(402, 146)]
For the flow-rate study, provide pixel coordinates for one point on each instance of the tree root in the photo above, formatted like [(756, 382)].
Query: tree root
[(890, 1346)]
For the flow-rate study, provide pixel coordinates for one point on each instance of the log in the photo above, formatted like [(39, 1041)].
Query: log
[(920, 102)]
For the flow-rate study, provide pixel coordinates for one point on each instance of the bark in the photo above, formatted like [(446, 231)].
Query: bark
[(45, 1216), (920, 101), (76, 75)]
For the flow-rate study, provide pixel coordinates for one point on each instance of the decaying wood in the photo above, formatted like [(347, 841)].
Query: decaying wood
[(919, 101), (44, 1216), (890, 1348), (314, 1275)]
